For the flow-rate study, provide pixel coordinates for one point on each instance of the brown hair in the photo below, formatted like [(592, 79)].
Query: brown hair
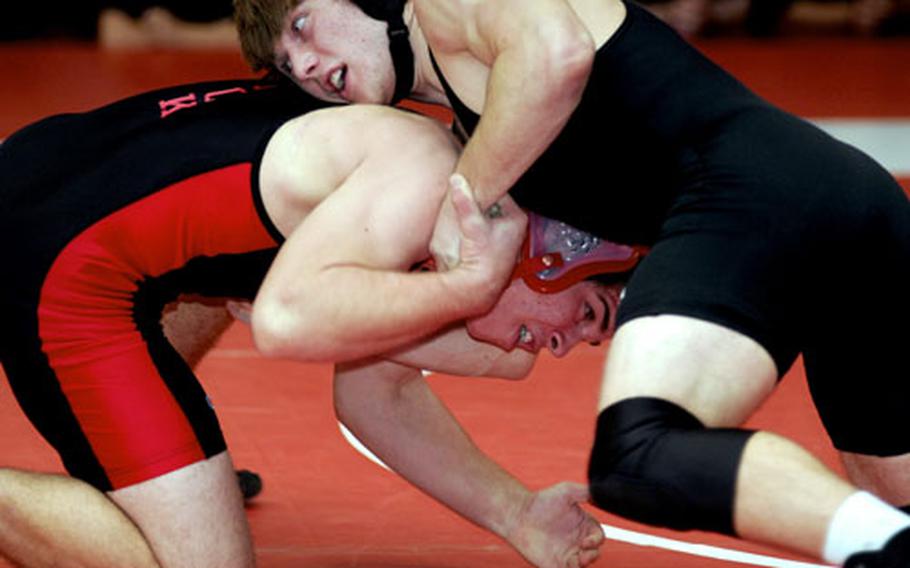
[(259, 24)]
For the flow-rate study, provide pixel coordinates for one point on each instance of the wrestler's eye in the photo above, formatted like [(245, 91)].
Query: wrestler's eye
[(298, 23), (589, 314)]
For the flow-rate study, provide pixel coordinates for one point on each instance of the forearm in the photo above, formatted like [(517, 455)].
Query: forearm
[(349, 312), (392, 410), (536, 80), (454, 352)]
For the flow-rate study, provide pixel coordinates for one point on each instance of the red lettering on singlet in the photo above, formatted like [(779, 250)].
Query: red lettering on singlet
[(171, 106), (209, 97)]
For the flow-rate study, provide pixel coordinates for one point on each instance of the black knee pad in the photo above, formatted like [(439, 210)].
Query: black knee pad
[(656, 463)]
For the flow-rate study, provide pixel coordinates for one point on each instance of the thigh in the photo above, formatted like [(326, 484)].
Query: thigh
[(858, 379), (856, 341), (723, 271), (717, 374), (192, 516), (109, 393), (46, 517)]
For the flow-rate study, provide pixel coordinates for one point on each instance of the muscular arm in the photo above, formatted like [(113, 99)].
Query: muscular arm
[(393, 411), (540, 56), (454, 352), (339, 288)]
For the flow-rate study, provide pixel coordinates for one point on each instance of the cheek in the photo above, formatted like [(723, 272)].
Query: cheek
[(490, 330), (310, 89), (551, 312)]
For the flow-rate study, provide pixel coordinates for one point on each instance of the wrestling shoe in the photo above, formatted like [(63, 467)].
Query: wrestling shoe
[(250, 483), (895, 554)]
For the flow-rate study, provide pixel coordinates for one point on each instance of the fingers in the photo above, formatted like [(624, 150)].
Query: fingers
[(586, 557), (468, 213), (445, 246), (589, 548), (581, 557), (594, 538)]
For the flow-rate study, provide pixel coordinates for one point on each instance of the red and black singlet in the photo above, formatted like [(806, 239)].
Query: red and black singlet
[(108, 215)]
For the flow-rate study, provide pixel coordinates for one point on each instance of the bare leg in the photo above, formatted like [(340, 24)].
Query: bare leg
[(193, 516), (888, 477), (784, 496), (194, 328), (51, 520)]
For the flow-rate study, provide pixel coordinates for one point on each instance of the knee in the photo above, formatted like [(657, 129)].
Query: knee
[(656, 463)]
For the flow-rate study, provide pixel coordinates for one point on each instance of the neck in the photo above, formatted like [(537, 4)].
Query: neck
[(427, 87)]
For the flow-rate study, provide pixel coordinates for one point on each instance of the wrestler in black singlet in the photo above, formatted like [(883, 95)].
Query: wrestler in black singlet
[(107, 216), (758, 221)]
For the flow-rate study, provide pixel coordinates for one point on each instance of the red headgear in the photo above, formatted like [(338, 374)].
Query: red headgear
[(556, 255)]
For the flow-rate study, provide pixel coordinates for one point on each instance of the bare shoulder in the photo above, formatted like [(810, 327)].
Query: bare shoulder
[(449, 25), (453, 26), (395, 129), (355, 152), (326, 145), (351, 132)]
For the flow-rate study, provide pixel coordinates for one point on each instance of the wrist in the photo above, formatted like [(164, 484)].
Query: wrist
[(486, 190), (513, 507), (474, 292)]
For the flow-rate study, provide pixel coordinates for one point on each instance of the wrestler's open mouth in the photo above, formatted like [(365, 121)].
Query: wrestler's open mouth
[(337, 79), (525, 337)]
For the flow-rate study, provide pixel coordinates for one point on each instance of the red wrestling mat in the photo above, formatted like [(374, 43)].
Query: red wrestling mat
[(324, 505)]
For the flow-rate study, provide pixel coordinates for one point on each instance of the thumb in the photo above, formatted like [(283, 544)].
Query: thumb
[(467, 212)]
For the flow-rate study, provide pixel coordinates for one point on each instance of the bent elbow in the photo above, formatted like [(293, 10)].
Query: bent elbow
[(266, 336), (277, 335), (571, 56)]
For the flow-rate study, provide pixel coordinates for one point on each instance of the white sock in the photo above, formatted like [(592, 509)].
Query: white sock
[(862, 522)]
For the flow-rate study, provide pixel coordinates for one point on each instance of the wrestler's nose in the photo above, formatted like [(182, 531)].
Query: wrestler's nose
[(304, 64), (559, 344)]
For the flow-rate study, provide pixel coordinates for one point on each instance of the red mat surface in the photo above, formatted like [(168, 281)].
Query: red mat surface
[(324, 504)]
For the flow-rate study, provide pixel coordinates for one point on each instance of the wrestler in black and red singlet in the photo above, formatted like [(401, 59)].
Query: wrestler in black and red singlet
[(107, 216), (757, 221)]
